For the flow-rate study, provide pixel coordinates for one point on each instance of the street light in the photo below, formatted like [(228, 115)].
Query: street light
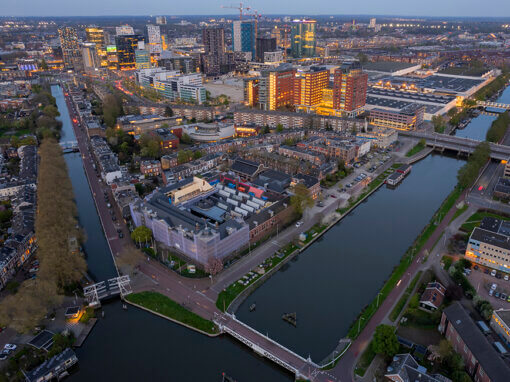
[(378, 295), (359, 323)]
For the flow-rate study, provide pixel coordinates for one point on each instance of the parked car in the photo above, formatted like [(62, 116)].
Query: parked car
[(494, 286), (503, 296), (493, 273), (114, 218), (496, 294), (506, 278), (121, 235), (491, 292), (486, 271), (108, 205), (3, 356), (10, 347), (299, 224), (333, 196), (476, 267)]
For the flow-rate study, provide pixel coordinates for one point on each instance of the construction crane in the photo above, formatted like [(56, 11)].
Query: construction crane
[(240, 8)]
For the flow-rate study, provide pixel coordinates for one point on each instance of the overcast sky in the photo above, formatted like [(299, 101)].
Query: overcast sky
[(478, 8)]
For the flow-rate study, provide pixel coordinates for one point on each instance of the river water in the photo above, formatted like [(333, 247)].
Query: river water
[(327, 286), (133, 344)]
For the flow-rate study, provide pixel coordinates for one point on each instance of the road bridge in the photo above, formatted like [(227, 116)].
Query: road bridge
[(106, 289), (69, 146), (266, 347), (496, 105), (464, 146)]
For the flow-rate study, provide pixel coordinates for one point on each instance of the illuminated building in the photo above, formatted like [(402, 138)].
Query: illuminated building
[(96, 36), (215, 60), (489, 244), (500, 322), (70, 46), (91, 61), (350, 88), (276, 87), (303, 38), (153, 41), (124, 30), (112, 60), (309, 86), (251, 92), (263, 45), (276, 34), (408, 118), (243, 131), (244, 34), (126, 46), (142, 59)]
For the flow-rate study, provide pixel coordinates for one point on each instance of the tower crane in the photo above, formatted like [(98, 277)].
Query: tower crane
[(241, 8)]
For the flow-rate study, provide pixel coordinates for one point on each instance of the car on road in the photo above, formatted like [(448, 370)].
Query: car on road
[(10, 347), (333, 196), (108, 205), (349, 185), (299, 224), (121, 235)]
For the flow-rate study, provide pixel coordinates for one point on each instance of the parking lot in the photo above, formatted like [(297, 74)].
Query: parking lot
[(482, 281)]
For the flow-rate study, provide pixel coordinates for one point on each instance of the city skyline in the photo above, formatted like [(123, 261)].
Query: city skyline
[(432, 8)]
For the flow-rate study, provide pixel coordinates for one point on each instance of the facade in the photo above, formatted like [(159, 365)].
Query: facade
[(502, 188), (350, 88), (124, 30), (153, 41), (108, 162), (142, 59), (139, 124), (150, 167), (380, 137), (303, 40), (244, 35), (500, 322), (96, 35), (126, 46), (214, 60), (264, 45), (408, 118), (274, 57), (489, 245), (309, 86), (70, 45), (168, 137), (433, 296), (91, 61), (507, 169), (404, 368), (276, 87), (482, 362)]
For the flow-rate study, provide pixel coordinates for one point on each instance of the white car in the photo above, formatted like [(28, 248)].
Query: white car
[(493, 273), (494, 286), (299, 224), (10, 347), (506, 278)]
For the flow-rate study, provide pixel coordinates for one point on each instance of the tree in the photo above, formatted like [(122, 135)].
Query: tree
[(112, 109), (184, 156), (169, 112), (186, 139), (385, 341), (150, 146), (51, 111), (439, 123), (279, 128), (141, 234), (302, 199), (44, 65), (214, 266), (197, 154)]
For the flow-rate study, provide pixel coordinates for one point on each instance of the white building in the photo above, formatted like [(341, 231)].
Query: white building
[(273, 57), (124, 30), (153, 39)]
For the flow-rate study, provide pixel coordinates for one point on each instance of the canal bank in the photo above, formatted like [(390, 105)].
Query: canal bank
[(136, 345)]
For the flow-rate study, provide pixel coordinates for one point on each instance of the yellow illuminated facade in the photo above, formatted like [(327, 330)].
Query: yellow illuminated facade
[(499, 324), (96, 35), (303, 40)]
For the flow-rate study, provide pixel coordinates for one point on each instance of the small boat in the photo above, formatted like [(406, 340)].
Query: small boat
[(253, 307), (124, 306), (290, 318), (226, 378)]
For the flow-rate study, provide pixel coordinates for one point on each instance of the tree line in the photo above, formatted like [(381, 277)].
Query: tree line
[(498, 128), (61, 264)]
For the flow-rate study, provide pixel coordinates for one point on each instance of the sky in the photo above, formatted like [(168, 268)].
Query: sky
[(448, 8)]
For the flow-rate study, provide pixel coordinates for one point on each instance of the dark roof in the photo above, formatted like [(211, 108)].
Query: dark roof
[(54, 365), (245, 167), (490, 224), (477, 343), (308, 180), (491, 238)]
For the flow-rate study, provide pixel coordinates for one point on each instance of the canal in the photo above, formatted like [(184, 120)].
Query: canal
[(136, 345)]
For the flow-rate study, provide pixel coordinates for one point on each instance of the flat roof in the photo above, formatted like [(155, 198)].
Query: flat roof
[(504, 315), (387, 66), (491, 238)]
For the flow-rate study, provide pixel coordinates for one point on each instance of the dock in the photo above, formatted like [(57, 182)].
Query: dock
[(85, 332)]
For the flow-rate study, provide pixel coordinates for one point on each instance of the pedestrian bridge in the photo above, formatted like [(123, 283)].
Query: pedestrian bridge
[(495, 105), (464, 146), (106, 289), (265, 346), (69, 146)]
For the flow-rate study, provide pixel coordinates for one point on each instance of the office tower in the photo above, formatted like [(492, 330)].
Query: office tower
[(244, 34), (309, 86), (91, 61), (251, 91), (124, 30), (184, 64), (276, 87), (303, 38), (142, 57), (160, 20), (96, 35), (264, 44), (153, 41), (350, 88), (372, 23), (70, 45), (126, 46), (111, 57), (276, 33)]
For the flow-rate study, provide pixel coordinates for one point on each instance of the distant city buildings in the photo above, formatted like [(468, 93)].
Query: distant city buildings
[(153, 41), (263, 46), (244, 35), (126, 45), (91, 61), (303, 39), (124, 30), (71, 52), (96, 35)]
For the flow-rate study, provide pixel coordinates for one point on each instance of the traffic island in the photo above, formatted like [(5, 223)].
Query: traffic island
[(165, 307)]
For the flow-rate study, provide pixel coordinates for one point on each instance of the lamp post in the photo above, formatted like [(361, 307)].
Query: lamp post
[(359, 323), (378, 295)]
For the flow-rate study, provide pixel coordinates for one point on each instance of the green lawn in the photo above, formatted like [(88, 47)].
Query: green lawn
[(459, 212), (416, 149), (365, 360), (228, 295), (474, 220), (161, 304), (402, 302)]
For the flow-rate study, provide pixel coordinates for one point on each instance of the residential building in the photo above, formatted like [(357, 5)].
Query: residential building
[(108, 162), (161, 20), (215, 61), (183, 64), (312, 183), (489, 244), (407, 118), (70, 45), (270, 219), (195, 167), (139, 124), (53, 368), (150, 167), (264, 45), (244, 35), (331, 148), (502, 188), (168, 137), (303, 40), (350, 88), (276, 87), (380, 137), (507, 169), (96, 35), (433, 296), (309, 86), (500, 322), (404, 368), (126, 45), (274, 57), (246, 169), (481, 360)]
